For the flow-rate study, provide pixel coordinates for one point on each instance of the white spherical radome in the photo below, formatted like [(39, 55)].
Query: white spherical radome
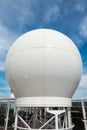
[(43, 63)]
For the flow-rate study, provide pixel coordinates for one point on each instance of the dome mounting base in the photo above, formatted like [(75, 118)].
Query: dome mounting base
[(43, 102)]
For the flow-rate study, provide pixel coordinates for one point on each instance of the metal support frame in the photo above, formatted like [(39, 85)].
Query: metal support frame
[(69, 116), (7, 115), (16, 120), (55, 116), (66, 125), (17, 116), (84, 114), (47, 117), (24, 122)]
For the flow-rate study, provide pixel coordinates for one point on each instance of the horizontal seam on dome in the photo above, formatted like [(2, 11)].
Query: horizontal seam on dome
[(45, 47)]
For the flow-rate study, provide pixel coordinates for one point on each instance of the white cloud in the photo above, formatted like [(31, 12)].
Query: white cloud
[(25, 17), (17, 13), (80, 6), (7, 88), (2, 66), (2, 81), (81, 91), (6, 39), (83, 82), (83, 27), (51, 13), (5, 92), (78, 41), (4, 95)]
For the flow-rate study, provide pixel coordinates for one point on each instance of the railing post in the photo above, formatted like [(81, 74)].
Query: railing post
[(7, 115), (84, 114), (16, 120)]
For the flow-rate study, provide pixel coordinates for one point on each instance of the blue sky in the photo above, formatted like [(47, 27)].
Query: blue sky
[(20, 16)]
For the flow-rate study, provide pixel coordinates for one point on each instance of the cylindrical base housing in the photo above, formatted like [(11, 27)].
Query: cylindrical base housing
[(43, 102)]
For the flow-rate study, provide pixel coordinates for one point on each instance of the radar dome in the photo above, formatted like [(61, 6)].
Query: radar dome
[(43, 67)]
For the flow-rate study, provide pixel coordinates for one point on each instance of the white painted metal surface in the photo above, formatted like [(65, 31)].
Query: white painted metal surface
[(7, 115), (43, 101), (84, 113), (43, 63)]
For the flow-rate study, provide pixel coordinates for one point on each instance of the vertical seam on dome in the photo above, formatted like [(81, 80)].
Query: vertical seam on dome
[(44, 63)]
